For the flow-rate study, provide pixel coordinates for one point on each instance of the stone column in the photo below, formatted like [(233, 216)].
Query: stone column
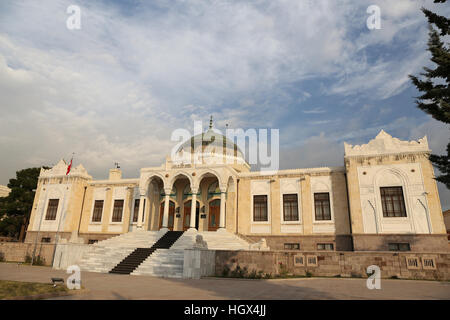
[(222, 208), (141, 208), (166, 208), (193, 209)]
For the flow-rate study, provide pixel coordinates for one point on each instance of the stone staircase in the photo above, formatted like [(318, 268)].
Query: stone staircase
[(164, 263), (147, 258), (139, 255), (168, 263), (105, 255), (216, 240)]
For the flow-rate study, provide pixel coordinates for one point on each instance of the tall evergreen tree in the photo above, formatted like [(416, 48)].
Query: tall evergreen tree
[(15, 209), (435, 84)]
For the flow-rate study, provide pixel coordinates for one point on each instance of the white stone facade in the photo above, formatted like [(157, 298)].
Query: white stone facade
[(210, 196)]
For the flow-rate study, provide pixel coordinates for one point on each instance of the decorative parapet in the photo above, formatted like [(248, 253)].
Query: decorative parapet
[(60, 170), (293, 172), (384, 143)]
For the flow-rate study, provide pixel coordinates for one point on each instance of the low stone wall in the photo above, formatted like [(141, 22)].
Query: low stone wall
[(417, 242), (198, 263), (430, 266), (17, 251), (68, 254), (32, 235)]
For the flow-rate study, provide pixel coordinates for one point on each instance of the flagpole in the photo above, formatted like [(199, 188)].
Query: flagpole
[(63, 215), (61, 218)]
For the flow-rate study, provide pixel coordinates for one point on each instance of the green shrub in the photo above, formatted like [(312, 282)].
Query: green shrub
[(356, 275), (283, 270), (2, 257), (225, 271), (27, 258), (253, 274), (38, 261), (236, 272), (239, 272), (308, 274)]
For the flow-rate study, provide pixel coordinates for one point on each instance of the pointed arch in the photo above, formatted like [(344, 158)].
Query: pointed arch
[(179, 174)]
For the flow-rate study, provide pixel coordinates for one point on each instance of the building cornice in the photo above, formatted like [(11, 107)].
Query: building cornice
[(113, 182), (387, 154), (304, 171)]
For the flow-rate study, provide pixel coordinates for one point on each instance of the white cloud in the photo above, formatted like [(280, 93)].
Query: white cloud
[(114, 90), (316, 151), (315, 110)]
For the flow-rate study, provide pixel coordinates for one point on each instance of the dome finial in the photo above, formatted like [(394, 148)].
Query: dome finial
[(211, 122)]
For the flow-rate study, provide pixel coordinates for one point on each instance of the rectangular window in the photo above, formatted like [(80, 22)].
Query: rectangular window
[(45, 239), (260, 208), (98, 209), (325, 246), (290, 207), (92, 241), (136, 210), (292, 246), (117, 211), (399, 247), (322, 206), (392, 202), (52, 209)]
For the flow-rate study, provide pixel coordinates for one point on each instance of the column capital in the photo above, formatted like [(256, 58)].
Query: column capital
[(223, 188), (167, 191), (194, 191)]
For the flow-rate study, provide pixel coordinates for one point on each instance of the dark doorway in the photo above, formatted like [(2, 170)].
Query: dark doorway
[(214, 215)]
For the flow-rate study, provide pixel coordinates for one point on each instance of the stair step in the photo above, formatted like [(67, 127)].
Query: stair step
[(139, 255), (152, 253)]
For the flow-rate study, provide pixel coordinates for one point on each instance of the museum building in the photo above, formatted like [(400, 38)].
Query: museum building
[(384, 198)]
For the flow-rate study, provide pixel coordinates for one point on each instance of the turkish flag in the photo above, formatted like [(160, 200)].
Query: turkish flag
[(69, 167)]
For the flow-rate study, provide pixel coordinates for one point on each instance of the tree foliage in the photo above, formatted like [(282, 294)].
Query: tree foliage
[(15, 209), (435, 84)]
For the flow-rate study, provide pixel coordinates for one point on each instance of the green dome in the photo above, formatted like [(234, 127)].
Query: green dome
[(210, 139)]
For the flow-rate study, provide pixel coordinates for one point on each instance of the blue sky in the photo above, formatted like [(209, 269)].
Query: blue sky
[(137, 70)]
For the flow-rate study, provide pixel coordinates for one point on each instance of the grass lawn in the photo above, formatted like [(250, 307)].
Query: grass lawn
[(11, 289)]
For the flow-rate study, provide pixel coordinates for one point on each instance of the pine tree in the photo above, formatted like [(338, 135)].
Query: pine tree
[(15, 209), (435, 86)]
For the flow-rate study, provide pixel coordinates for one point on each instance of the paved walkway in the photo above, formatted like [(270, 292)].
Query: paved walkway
[(111, 286)]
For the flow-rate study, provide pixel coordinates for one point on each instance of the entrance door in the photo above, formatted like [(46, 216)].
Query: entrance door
[(187, 215), (171, 215), (214, 215)]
